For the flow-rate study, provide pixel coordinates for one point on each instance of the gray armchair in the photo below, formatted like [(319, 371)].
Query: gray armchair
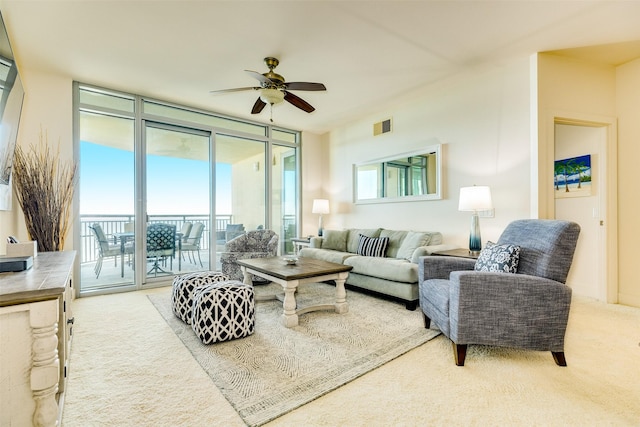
[(528, 309), (253, 244)]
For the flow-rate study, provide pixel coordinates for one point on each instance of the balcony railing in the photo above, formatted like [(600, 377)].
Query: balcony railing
[(116, 224)]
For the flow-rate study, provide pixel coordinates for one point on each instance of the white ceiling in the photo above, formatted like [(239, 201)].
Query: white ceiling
[(369, 54)]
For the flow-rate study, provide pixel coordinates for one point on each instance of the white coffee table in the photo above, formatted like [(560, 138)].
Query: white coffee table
[(306, 270)]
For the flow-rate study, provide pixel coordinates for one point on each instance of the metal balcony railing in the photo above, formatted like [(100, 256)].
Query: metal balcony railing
[(116, 224)]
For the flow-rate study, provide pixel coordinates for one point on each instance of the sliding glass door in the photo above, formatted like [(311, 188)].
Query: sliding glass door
[(240, 184), (284, 196), (107, 200), (176, 203)]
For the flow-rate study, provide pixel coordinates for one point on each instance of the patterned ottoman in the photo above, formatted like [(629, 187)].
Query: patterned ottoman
[(223, 311), (183, 288)]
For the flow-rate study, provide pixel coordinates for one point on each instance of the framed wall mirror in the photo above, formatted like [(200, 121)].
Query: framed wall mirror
[(11, 97), (404, 177)]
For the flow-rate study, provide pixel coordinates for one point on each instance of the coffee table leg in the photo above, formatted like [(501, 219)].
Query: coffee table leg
[(341, 297), (289, 316), (247, 276)]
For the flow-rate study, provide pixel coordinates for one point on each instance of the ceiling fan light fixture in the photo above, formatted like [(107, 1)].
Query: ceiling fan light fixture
[(271, 96)]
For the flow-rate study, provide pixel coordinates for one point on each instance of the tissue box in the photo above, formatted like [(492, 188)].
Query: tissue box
[(23, 249)]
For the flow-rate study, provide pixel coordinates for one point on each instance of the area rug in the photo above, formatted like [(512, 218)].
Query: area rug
[(278, 369)]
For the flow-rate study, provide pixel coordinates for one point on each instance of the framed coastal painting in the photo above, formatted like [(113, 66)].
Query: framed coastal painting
[(572, 177)]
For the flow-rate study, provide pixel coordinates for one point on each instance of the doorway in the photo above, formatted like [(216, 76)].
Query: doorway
[(583, 194)]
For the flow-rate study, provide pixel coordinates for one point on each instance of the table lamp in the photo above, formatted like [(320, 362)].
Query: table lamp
[(320, 206), (474, 199)]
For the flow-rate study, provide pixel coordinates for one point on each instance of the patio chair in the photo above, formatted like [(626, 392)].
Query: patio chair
[(185, 230), (514, 295), (161, 245), (192, 243), (253, 244), (229, 233), (105, 249)]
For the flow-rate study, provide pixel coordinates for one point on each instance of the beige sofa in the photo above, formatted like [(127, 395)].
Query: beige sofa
[(394, 275)]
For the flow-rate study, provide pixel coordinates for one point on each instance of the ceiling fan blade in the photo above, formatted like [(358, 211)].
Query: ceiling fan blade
[(258, 106), (304, 86), (262, 79), (298, 102), (238, 89)]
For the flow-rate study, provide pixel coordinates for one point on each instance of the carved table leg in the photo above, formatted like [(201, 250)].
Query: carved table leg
[(289, 316), (341, 295)]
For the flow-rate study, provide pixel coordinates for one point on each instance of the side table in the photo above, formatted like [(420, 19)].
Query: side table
[(299, 243), (459, 252)]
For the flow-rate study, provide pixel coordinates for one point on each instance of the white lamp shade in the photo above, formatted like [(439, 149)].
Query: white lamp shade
[(476, 198), (320, 206)]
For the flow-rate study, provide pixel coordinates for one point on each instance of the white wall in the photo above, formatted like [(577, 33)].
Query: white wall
[(314, 174), (48, 108), (482, 120), (628, 108)]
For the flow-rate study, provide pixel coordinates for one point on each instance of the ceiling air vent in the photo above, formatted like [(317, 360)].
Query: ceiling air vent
[(382, 127)]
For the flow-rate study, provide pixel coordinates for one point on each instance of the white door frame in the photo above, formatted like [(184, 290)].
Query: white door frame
[(608, 215)]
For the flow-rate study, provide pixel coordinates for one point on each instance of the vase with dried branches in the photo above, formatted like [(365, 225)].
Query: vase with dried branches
[(44, 187)]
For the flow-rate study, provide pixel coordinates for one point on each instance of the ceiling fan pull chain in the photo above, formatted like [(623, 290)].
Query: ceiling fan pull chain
[(271, 108)]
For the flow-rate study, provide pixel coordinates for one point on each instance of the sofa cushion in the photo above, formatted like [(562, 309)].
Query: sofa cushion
[(372, 246), (498, 258), (335, 239), (411, 242), (397, 270), (354, 237), (395, 240), (326, 255)]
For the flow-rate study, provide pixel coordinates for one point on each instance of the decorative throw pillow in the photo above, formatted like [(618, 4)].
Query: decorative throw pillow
[(411, 242), (498, 258), (335, 239), (372, 246)]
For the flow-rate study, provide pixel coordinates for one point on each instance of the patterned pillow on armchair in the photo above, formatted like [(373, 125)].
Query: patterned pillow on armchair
[(498, 258)]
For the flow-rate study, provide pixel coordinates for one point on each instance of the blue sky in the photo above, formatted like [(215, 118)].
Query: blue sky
[(175, 186)]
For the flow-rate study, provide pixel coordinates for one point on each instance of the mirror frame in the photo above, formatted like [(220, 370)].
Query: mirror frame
[(436, 148), (11, 100)]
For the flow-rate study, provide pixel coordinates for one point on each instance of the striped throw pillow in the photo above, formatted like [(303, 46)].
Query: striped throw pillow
[(372, 246)]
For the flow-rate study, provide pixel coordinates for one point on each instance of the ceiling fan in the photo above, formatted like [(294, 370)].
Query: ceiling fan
[(274, 90)]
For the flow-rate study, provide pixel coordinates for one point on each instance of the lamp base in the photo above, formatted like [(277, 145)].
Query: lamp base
[(320, 228), (475, 241)]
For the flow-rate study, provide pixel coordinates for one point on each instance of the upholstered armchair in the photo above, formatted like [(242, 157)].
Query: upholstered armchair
[(527, 309), (253, 244)]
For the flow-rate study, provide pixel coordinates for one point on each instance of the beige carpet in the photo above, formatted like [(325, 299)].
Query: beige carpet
[(128, 368), (277, 369)]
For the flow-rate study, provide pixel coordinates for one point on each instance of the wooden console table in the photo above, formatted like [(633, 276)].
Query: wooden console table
[(35, 337), (460, 252)]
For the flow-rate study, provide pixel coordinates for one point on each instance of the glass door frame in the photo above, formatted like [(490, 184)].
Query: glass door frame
[(141, 280), (267, 174)]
